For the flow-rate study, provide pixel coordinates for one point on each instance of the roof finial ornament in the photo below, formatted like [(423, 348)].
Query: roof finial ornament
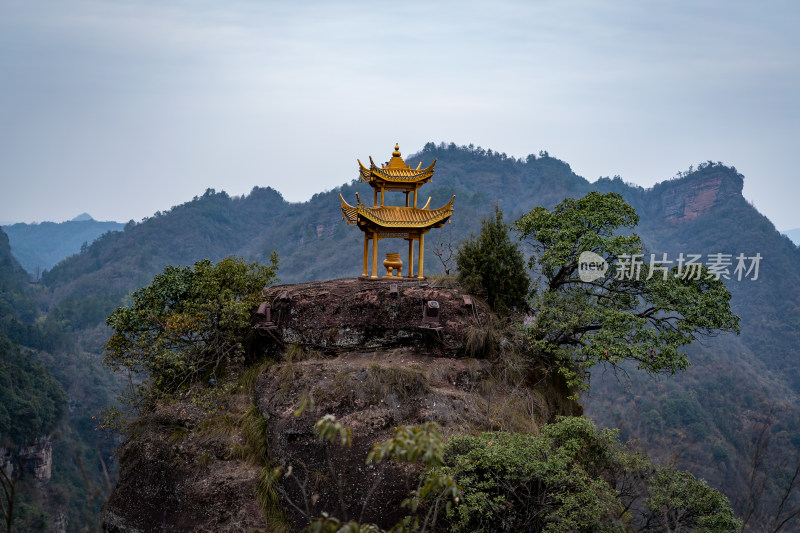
[(396, 152)]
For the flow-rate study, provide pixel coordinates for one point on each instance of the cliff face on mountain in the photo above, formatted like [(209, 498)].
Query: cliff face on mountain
[(35, 460), (690, 199), (351, 348), (38, 458)]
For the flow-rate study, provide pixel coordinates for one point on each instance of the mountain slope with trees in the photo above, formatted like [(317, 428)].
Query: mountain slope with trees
[(706, 419), (49, 391)]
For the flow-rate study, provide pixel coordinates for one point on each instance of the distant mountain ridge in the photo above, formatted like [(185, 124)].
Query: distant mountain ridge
[(40, 246)]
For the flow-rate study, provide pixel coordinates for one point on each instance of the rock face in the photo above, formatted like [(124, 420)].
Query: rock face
[(171, 482), (344, 347), (38, 458), (7, 464), (350, 314), (691, 198), (372, 393)]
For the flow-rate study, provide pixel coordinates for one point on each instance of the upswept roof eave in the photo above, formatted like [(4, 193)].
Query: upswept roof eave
[(405, 175), (349, 212), (419, 218)]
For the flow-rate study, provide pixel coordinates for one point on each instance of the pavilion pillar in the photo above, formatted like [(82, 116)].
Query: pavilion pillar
[(374, 255), (366, 252), (406, 198), (421, 255), (415, 197), (410, 255), (374, 196), (381, 196)]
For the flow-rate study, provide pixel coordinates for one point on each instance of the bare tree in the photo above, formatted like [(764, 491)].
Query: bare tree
[(8, 485), (445, 250), (761, 471)]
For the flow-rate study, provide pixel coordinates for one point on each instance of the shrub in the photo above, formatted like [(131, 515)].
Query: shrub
[(574, 477), (189, 323), (493, 264)]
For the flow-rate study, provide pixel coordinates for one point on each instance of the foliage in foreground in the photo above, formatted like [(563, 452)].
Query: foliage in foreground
[(189, 323), (639, 310), (574, 477), (435, 493)]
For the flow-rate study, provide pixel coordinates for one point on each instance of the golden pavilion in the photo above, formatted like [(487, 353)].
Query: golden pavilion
[(381, 221)]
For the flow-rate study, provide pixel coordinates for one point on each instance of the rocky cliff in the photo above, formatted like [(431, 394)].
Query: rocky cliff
[(692, 197), (355, 349), (38, 458)]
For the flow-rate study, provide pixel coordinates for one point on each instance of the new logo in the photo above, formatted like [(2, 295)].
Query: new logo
[(591, 266)]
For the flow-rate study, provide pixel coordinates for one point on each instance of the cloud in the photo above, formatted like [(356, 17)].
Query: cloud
[(101, 100)]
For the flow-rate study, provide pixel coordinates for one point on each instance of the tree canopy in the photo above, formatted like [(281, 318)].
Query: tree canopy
[(32, 402), (492, 263), (639, 309), (574, 477), (189, 322)]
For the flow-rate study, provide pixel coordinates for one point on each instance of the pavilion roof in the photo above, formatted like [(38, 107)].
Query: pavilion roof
[(397, 217), (395, 171)]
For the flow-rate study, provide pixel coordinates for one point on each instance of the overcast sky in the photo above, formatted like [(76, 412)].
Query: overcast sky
[(121, 109)]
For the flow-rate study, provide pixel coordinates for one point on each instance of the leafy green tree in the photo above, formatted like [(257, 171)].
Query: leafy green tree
[(636, 311), (492, 262), (189, 323), (679, 502), (574, 477)]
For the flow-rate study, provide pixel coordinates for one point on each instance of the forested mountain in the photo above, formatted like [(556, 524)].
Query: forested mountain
[(13, 285), (49, 391), (739, 399), (706, 420), (38, 247)]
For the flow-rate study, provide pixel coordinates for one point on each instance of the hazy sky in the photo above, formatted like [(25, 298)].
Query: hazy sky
[(121, 109)]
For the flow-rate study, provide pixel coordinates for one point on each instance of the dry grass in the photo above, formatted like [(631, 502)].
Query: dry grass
[(402, 382), (288, 372), (220, 425), (255, 431), (249, 377), (294, 352), (443, 280), (511, 367), (482, 340), (204, 459), (286, 375), (341, 386), (178, 434), (370, 385), (524, 411)]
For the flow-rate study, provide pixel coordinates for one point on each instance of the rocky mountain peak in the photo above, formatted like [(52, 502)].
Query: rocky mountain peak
[(693, 196)]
